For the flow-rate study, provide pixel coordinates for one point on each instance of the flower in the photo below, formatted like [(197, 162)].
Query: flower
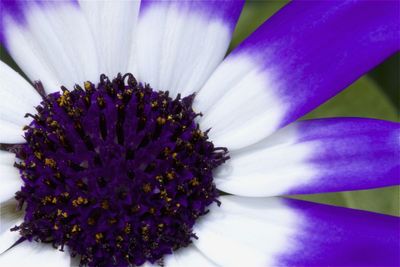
[(126, 170)]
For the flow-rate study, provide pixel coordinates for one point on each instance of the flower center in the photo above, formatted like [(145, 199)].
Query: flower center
[(117, 172)]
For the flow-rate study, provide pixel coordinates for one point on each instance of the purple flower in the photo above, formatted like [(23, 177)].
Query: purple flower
[(183, 160)]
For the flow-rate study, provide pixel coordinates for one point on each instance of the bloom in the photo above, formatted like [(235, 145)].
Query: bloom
[(249, 100)]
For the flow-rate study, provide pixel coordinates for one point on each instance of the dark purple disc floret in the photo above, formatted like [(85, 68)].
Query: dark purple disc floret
[(117, 173)]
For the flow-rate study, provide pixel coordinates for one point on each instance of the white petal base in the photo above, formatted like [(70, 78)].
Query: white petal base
[(245, 231)]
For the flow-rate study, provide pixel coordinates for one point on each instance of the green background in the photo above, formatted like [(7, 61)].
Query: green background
[(375, 95)]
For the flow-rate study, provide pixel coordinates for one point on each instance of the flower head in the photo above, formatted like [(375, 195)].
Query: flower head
[(115, 169), (134, 169)]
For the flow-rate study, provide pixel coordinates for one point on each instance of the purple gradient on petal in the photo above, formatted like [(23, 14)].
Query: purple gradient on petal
[(354, 154), (226, 10), (335, 236), (318, 48), (15, 10)]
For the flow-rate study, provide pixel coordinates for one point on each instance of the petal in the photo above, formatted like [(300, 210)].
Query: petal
[(34, 254), (305, 54), (179, 43), (245, 231), (17, 96), (6, 158), (316, 156), (9, 218), (14, 84), (338, 236), (189, 256), (76, 260), (10, 133), (280, 232), (9, 176), (112, 24), (50, 40)]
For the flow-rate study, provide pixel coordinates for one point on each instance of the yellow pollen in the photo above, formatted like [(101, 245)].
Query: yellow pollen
[(87, 85), (127, 228), (161, 121), (159, 178), (38, 155), (79, 201), (105, 205), (90, 221), (99, 236), (147, 188), (50, 162), (62, 213), (171, 175), (75, 228), (194, 182)]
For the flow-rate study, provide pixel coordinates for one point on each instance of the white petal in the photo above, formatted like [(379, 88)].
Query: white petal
[(236, 105), (75, 261), (179, 43), (189, 256), (17, 96), (9, 217), (6, 158), (28, 55), (10, 182), (34, 254), (52, 43), (245, 231), (10, 133), (267, 168), (14, 84), (112, 24)]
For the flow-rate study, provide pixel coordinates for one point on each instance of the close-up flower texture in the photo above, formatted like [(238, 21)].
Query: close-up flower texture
[(135, 135)]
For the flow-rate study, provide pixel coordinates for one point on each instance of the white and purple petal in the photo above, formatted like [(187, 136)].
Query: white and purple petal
[(178, 44), (302, 56), (315, 156), (50, 40), (283, 232)]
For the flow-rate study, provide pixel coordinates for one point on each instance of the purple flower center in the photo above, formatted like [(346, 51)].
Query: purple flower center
[(118, 173)]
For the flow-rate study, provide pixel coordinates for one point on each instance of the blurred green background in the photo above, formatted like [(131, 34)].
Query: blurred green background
[(375, 95)]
